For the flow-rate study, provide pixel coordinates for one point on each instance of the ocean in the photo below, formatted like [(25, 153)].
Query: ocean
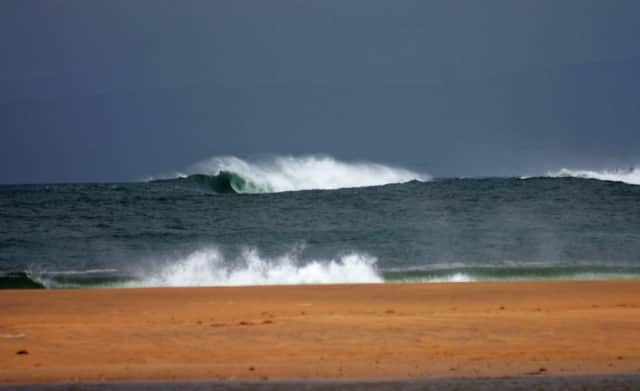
[(315, 220)]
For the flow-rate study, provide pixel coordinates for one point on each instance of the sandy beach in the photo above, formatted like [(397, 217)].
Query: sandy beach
[(385, 331)]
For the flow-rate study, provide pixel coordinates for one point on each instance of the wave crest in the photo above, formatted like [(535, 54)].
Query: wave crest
[(208, 267), (630, 176), (288, 173)]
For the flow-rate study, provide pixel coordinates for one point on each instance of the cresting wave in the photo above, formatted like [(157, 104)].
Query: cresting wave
[(630, 176), (224, 182), (229, 174)]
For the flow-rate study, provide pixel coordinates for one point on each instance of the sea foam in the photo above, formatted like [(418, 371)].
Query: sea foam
[(209, 267), (289, 173)]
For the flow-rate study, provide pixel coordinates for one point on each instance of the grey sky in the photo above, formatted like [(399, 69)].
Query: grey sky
[(117, 90)]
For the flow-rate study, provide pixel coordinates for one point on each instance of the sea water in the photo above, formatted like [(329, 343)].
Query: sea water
[(312, 220)]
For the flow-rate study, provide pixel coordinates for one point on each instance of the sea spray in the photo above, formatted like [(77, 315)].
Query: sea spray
[(209, 267)]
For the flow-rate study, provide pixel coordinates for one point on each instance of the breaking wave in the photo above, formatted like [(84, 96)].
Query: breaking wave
[(208, 267), (223, 182), (229, 174), (630, 176)]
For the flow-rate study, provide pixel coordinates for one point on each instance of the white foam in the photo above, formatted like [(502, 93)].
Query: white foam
[(288, 173), (208, 267), (455, 277), (630, 176)]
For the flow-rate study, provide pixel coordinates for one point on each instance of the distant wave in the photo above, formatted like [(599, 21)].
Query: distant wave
[(630, 176), (230, 174)]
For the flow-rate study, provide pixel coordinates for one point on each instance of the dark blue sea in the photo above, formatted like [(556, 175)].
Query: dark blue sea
[(318, 220)]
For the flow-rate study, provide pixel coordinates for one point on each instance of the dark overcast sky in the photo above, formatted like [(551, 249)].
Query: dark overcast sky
[(118, 90)]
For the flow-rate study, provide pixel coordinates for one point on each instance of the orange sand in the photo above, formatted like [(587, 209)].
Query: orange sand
[(344, 331)]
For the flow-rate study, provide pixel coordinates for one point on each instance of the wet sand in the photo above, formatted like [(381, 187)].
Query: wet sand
[(391, 331)]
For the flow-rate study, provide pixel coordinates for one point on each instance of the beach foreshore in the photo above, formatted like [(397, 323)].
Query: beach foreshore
[(377, 331)]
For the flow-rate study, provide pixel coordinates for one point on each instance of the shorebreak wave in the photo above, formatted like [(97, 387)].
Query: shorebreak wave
[(630, 176), (209, 267)]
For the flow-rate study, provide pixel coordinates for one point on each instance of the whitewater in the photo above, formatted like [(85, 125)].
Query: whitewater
[(208, 267), (630, 175)]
